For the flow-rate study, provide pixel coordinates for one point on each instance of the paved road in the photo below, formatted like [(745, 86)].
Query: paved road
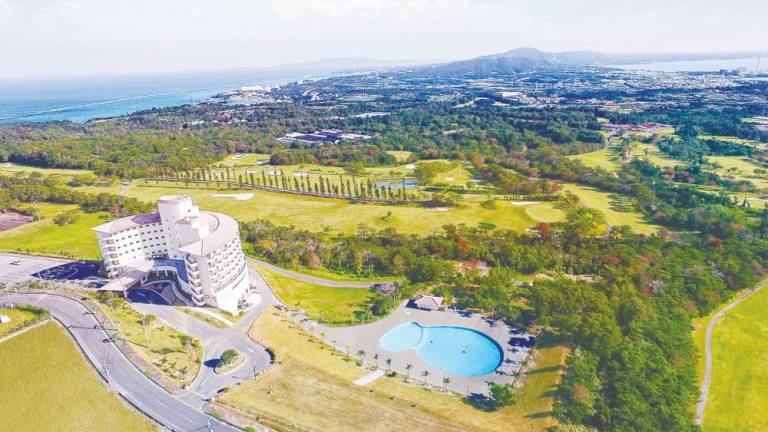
[(215, 341), (704, 393), (310, 279), (175, 414)]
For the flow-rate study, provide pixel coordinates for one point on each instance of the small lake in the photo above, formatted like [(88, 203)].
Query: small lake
[(397, 184)]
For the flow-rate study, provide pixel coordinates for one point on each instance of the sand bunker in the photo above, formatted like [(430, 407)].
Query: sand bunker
[(239, 197), (438, 209), (522, 203)]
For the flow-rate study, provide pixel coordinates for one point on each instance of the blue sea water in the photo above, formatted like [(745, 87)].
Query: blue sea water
[(84, 99), (698, 65), (456, 350)]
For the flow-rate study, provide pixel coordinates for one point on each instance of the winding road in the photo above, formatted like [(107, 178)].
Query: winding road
[(706, 382), (177, 414)]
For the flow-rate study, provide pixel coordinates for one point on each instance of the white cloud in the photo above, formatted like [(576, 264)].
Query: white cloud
[(362, 11)]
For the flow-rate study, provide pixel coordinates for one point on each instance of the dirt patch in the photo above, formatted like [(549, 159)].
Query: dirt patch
[(11, 219)]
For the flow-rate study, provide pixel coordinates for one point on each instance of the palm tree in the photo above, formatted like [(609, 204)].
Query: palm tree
[(360, 355), (425, 374), (333, 343), (376, 359), (347, 347), (446, 381), (408, 368), (322, 336), (389, 364), (185, 342)]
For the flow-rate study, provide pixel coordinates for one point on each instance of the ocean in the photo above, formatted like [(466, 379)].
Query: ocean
[(699, 65), (83, 99)]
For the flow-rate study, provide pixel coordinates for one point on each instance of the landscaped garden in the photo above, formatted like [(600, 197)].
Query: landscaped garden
[(280, 397), (173, 353)]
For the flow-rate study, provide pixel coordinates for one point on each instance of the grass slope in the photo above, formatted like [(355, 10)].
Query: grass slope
[(47, 386), (739, 389), (19, 318), (330, 305), (614, 206), (45, 237), (310, 389)]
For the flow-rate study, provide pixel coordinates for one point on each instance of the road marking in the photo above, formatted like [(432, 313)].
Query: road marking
[(198, 329), (158, 401), (188, 419), (251, 350)]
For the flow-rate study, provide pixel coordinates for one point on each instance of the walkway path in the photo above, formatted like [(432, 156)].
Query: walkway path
[(704, 393)]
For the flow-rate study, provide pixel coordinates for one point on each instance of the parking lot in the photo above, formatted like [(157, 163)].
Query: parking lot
[(15, 269)]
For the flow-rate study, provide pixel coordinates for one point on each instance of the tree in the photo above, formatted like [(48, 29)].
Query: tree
[(446, 381), (425, 374), (376, 359), (408, 368), (502, 395), (228, 357), (186, 341), (360, 356), (389, 364)]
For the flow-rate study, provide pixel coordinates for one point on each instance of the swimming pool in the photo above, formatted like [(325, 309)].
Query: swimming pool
[(456, 350)]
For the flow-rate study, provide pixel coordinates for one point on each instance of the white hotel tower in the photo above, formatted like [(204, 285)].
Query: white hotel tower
[(202, 248)]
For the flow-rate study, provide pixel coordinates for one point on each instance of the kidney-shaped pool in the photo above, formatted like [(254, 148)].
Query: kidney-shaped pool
[(456, 350)]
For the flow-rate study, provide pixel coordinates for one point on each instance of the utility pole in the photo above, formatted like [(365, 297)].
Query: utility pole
[(105, 369), (255, 372), (144, 324)]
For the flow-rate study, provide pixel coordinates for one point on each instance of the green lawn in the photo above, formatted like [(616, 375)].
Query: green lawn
[(606, 158), (739, 389), (12, 168), (244, 159), (739, 168), (19, 319), (328, 304), (401, 156), (286, 396), (45, 237), (335, 215), (47, 386), (617, 208), (165, 351)]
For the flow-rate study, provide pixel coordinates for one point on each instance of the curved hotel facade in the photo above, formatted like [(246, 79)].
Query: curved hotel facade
[(201, 248)]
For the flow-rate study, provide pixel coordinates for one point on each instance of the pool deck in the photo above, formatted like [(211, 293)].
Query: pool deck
[(366, 337)]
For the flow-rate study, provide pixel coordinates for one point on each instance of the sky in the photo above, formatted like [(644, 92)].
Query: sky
[(64, 38)]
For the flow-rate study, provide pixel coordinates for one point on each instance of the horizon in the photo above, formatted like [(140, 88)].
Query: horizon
[(307, 65), (85, 38)]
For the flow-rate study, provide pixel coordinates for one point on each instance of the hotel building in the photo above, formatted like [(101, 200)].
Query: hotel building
[(202, 249)]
